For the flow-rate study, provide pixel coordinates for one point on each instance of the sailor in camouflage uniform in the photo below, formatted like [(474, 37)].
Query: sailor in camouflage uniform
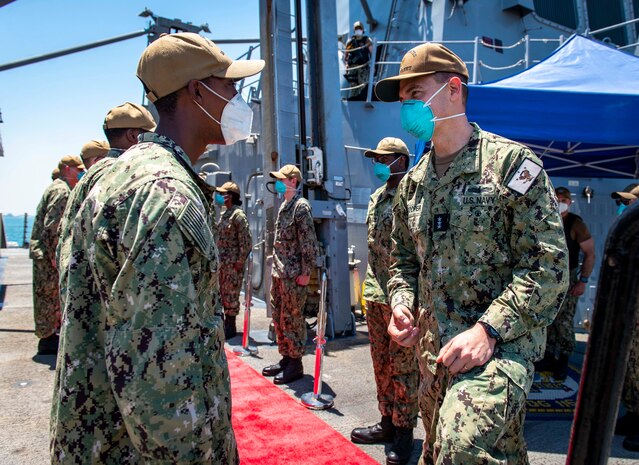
[(44, 240), (628, 425), (295, 251), (234, 243), (478, 241), (395, 366), (122, 126), (141, 375)]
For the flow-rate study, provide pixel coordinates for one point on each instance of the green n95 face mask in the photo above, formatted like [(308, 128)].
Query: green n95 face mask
[(418, 119)]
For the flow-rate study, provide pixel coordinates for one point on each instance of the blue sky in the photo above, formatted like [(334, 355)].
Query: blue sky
[(50, 109)]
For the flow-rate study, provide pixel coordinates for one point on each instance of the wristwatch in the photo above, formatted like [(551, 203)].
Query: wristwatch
[(583, 279), (492, 332)]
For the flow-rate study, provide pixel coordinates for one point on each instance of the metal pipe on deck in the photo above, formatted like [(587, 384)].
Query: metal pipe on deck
[(615, 316), (69, 51)]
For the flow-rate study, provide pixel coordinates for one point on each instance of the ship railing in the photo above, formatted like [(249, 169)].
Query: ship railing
[(376, 67)]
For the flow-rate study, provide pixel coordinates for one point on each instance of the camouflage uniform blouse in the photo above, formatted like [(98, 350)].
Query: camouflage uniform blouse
[(295, 247), (44, 235), (468, 247), (77, 196), (234, 237), (141, 374), (380, 224)]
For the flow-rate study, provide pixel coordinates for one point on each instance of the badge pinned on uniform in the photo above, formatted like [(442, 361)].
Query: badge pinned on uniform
[(440, 222), (524, 176)]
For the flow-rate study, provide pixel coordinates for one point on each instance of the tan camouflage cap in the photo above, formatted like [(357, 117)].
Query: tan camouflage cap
[(229, 186), (630, 195), (55, 174), (287, 172), (169, 63), (94, 149), (72, 161), (388, 146), (425, 59), (129, 116)]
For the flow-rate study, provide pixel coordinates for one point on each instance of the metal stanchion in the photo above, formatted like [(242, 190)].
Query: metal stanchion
[(316, 400), (246, 349)]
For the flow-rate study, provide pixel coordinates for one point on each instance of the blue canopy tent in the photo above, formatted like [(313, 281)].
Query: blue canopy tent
[(577, 109)]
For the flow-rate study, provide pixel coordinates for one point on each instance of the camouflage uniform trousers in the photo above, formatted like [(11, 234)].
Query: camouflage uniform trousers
[(561, 333), (230, 285), (480, 416), (46, 298), (395, 367), (631, 383), (287, 301)]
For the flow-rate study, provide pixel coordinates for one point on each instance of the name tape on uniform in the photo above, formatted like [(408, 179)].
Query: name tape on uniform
[(524, 176)]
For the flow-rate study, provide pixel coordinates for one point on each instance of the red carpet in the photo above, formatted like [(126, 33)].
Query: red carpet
[(274, 429)]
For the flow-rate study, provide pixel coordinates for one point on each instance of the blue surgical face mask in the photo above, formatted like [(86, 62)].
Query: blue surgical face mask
[(280, 187), (622, 207), (418, 119), (383, 172), (80, 174), (219, 198)]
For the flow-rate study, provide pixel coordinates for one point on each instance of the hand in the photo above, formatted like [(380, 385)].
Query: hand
[(303, 280), (401, 329), (467, 350), (577, 289)]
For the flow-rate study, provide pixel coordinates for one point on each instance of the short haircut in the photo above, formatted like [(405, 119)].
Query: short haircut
[(443, 77), (166, 105), (562, 192), (114, 134), (235, 199)]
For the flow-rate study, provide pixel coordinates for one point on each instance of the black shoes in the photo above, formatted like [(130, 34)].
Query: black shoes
[(384, 431), (561, 368), (293, 370), (230, 330), (402, 447), (628, 425), (48, 345), (276, 368)]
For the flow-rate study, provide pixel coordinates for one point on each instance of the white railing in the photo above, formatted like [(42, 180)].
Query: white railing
[(474, 65)]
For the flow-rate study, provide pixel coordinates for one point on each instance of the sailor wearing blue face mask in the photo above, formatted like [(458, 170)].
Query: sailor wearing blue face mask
[(395, 367), (295, 251), (625, 198), (479, 266)]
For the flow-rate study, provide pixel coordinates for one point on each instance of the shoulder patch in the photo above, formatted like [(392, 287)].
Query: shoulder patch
[(524, 176), (195, 225)]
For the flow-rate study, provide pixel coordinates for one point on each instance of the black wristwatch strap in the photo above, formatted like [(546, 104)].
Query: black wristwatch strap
[(492, 332)]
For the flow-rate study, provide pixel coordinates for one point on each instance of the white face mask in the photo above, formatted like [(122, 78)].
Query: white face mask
[(236, 120), (563, 207), (358, 32)]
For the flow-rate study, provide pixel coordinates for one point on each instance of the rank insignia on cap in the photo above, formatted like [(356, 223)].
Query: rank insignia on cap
[(524, 176)]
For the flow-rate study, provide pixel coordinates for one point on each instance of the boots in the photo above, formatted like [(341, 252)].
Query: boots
[(402, 447), (546, 364), (276, 368), (292, 371), (48, 345), (384, 431), (561, 368), (230, 330)]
